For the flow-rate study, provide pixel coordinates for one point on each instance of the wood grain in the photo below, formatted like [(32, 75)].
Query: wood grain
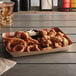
[(52, 64), (60, 57), (44, 24), (65, 30), (53, 17), (42, 70)]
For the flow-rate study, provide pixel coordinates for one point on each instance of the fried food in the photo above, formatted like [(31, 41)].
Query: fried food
[(22, 35), (44, 40), (15, 41), (52, 33), (58, 45), (32, 41), (33, 48), (60, 34), (18, 48), (65, 41), (42, 33)]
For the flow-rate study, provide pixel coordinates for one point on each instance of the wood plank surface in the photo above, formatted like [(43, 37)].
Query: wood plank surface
[(65, 30), (44, 20), (54, 64), (2, 51), (44, 13), (44, 23), (60, 57), (45, 17), (49, 58), (42, 70)]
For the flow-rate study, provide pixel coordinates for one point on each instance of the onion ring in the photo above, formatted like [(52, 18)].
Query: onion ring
[(18, 48), (6, 40), (24, 36), (33, 48), (32, 41), (15, 41)]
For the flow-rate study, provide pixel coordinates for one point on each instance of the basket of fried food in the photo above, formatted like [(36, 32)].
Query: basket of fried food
[(38, 41)]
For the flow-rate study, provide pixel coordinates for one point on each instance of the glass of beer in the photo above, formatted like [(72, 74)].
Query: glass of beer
[(6, 13)]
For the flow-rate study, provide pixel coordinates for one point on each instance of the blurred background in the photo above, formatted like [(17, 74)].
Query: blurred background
[(36, 2)]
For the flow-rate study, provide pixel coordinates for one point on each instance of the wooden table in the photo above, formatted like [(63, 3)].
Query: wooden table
[(54, 64)]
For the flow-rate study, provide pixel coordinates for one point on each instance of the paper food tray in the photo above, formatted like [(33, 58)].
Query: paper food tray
[(18, 54)]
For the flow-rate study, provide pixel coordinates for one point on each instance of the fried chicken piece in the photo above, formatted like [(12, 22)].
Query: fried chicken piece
[(45, 43), (65, 41), (42, 33), (54, 39), (47, 37), (60, 34), (59, 38), (57, 45), (49, 42), (52, 33)]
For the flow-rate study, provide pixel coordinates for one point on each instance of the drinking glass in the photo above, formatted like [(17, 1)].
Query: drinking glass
[(6, 13)]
